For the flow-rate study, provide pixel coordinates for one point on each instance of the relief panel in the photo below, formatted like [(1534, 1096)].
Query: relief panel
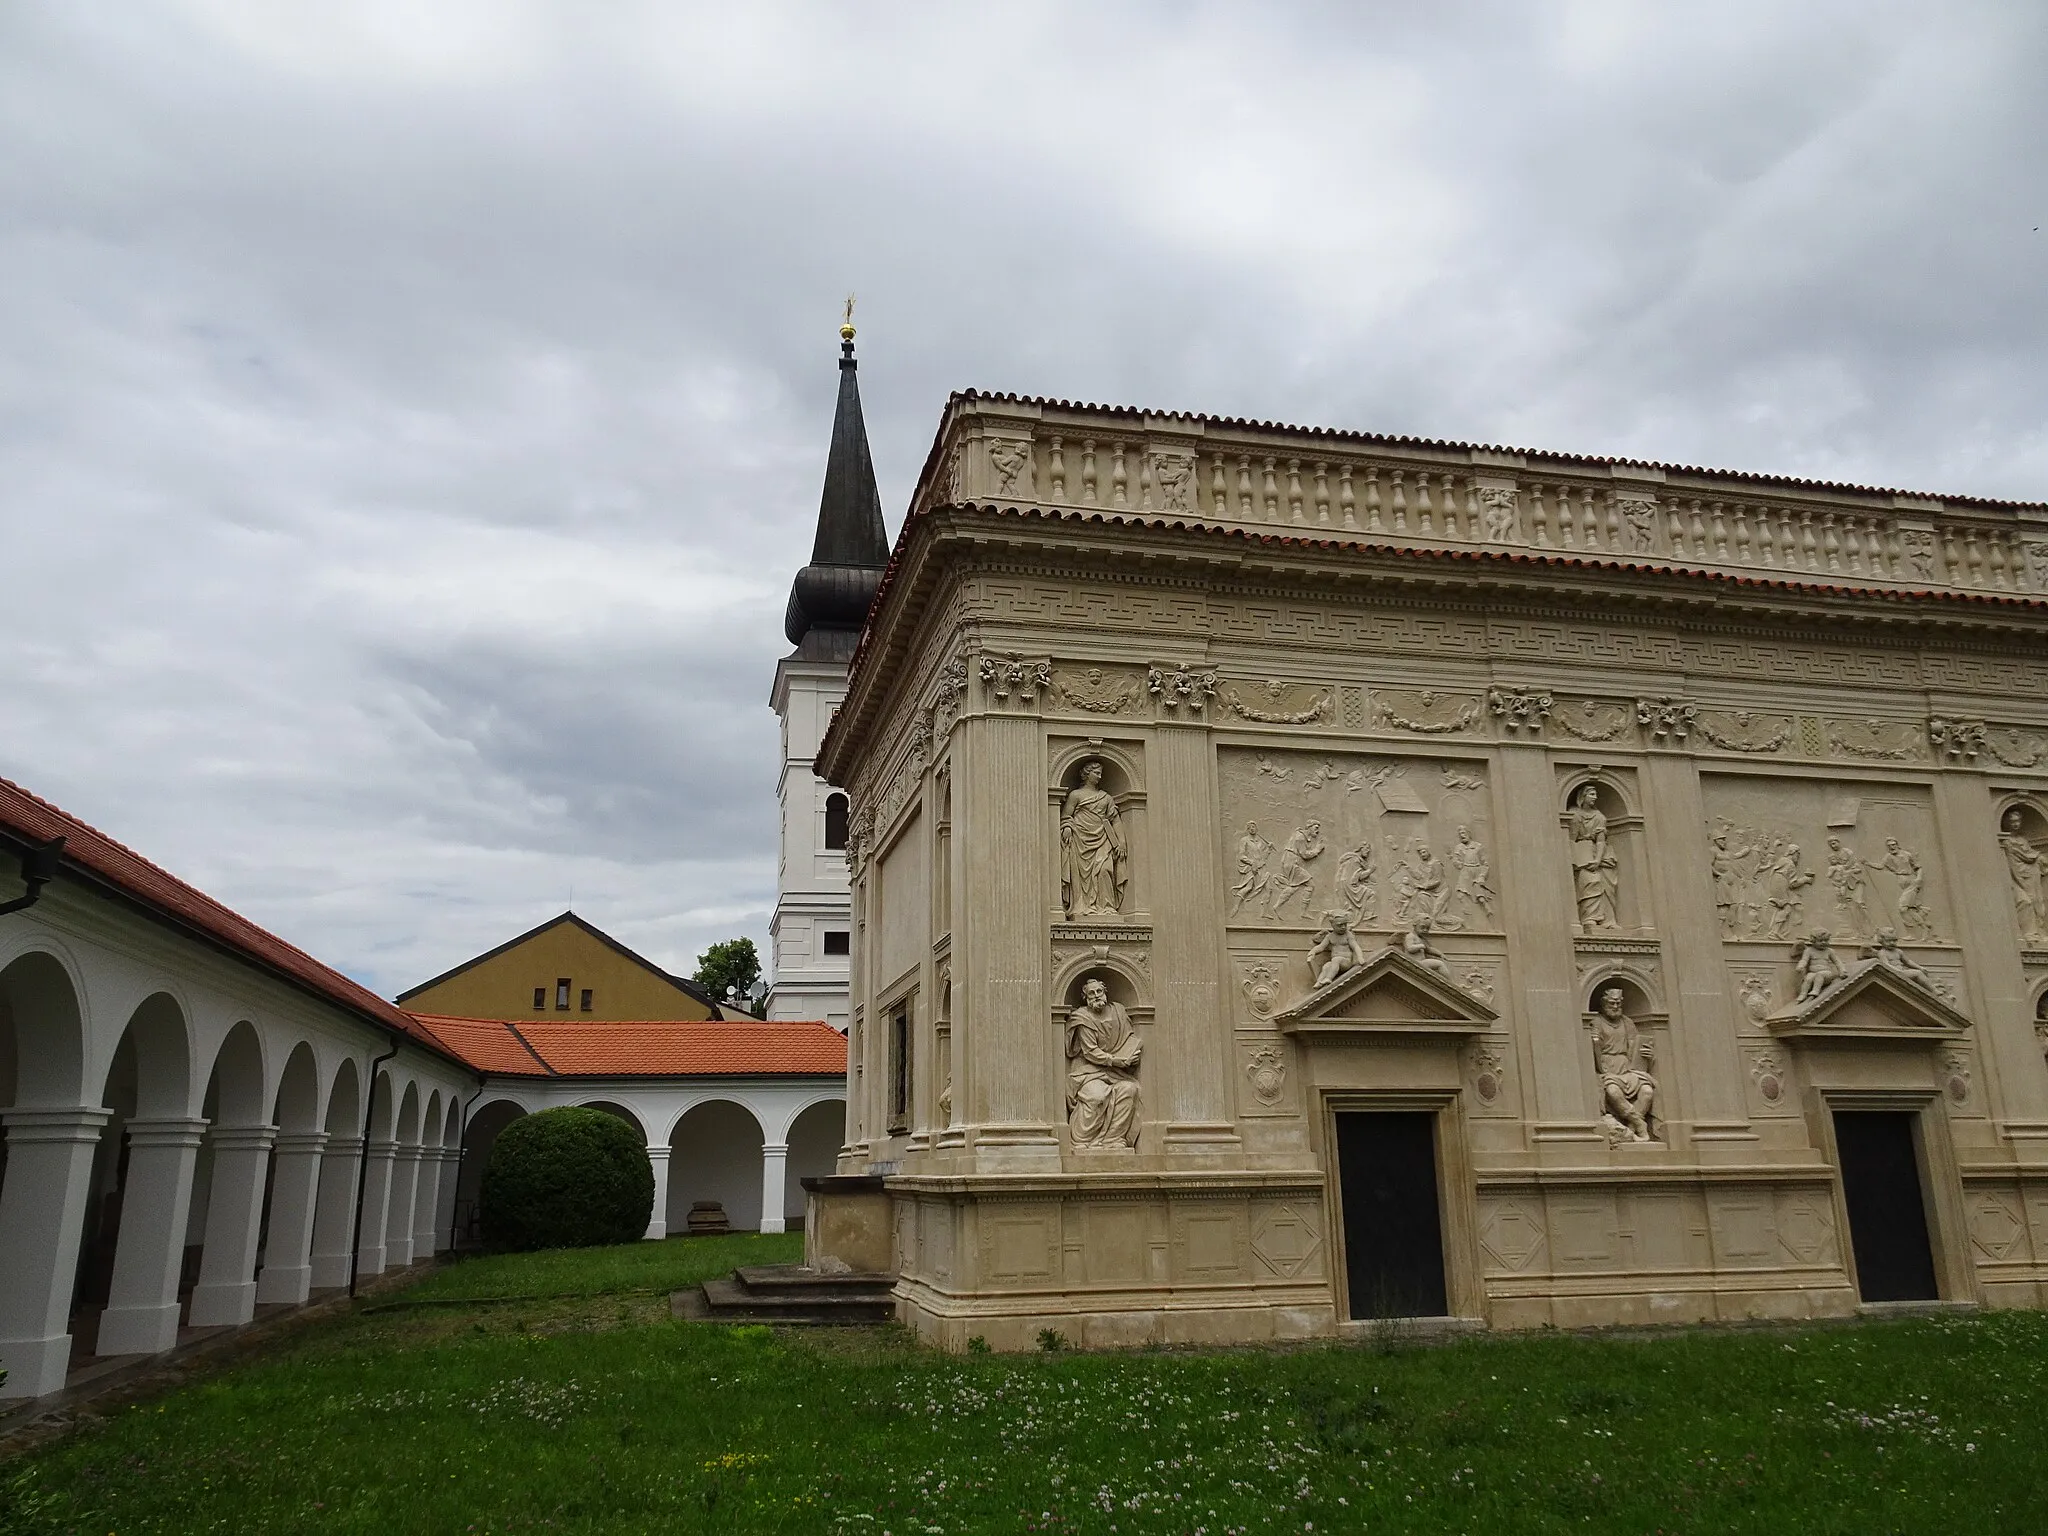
[(1394, 842)]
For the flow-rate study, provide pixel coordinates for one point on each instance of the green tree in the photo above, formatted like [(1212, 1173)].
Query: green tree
[(728, 970)]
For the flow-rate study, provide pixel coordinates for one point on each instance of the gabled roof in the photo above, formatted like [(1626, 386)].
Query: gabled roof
[(682, 984), (94, 858), (1390, 993), (567, 1048)]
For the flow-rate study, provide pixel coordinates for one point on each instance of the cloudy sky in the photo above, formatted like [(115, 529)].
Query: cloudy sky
[(412, 411)]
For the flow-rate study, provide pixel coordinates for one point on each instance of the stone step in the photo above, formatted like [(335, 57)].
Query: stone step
[(795, 1279), (729, 1301)]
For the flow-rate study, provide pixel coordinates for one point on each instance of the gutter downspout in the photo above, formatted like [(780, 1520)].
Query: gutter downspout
[(461, 1130), (38, 868), (355, 1246)]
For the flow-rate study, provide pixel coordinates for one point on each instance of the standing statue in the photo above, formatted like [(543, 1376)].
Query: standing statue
[(1596, 873), (1357, 882), (1845, 874), (1474, 878), (1293, 879), (1095, 851), (1912, 907), (1782, 880), (2023, 863), (1621, 1056), (1254, 854), (1814, 959), (1336, 947), (1102, 1072), (1886, 952)]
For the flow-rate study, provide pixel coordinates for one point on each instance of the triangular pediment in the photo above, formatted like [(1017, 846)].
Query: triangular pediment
[(1391, 992), (1873, 1002)]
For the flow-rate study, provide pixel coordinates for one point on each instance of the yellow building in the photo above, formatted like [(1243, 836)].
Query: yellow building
[(563, 967)]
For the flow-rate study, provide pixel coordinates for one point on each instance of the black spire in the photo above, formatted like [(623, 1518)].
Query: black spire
[(829, 600)]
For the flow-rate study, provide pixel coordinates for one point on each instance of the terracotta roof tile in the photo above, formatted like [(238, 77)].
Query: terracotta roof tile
[(90, 852), (727, 1048)]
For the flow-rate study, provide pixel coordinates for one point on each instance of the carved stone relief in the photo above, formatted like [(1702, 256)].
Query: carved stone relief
[(1011, 465), (1519, 709), (1259, 980), (1956, 741), (1271, 703), (1486, 1061), (1388, 842), (1767, 1068), (1666, 719), (1742, 730), (1955, 1073), (1181, 689), (1786, 854), (1102, 1052), (2013, 747), (1010, 679), (1638, 520), (1174, 473), (949, 690), (1511, 1233), (1592, 719), (1098, 690), (1918, 545), (1878, 741), (1501, 514), (1754, 989), (1425, 710), (1266, 1069)]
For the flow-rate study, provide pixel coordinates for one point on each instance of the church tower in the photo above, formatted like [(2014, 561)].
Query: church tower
[(812, 929)]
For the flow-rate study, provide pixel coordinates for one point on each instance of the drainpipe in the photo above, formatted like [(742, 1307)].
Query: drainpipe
[(461, 1130), (355, 1246), (38, 867)]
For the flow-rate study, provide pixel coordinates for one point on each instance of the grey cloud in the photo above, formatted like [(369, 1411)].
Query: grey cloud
[(410, 415)]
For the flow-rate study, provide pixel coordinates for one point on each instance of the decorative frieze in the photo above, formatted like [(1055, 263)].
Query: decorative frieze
[(1878, 741), (1666, 719), (1742, 730), (1426, 711), (1009, 679), (1519, 709), (1955, 741), (1592, 720), (1273, 703), (1098, 690), (1181, 690)]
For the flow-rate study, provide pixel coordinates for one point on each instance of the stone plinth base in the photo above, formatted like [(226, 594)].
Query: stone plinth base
[(847, 1226)]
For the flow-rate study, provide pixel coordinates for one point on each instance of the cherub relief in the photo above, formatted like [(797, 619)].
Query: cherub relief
[(1335, 949), (1818, 968)]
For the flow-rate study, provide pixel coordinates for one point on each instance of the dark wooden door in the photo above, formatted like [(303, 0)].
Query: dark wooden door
[(1887, 1208), (1393, 1227)]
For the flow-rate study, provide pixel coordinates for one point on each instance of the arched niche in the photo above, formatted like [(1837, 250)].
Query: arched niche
[(1125, 971), (479, 1135), (406, 1132), (1121, 777), (1642, 995), (158, 1043), (2022, 827), (345, 1102), (1613, 795), (715, 1154), (234, 1088)]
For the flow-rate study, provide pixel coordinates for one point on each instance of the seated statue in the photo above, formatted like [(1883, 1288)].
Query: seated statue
[(1817, 965), (1415, 945), (1886, 952), (1621, 1056), (1102, 1075), (1336, 947)]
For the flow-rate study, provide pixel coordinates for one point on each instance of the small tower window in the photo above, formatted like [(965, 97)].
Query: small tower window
[(562, 993), (583, 1003), (836, 942), (540, 999), (835, 821), (899, 1069)]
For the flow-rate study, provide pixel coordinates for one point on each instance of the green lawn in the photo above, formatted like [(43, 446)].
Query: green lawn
[(581, 1407)]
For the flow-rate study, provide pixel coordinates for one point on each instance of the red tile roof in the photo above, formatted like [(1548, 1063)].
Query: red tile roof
[(718, 1048), (91, 853)]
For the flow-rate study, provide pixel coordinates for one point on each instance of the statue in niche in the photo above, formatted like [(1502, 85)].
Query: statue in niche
[(1904, 864), (1293, 878), (2023, 863), (1415, 945), (1102, 1071), (1622, 1057), (1596, 873), (1336, 948), (1357, 882), (1254, 855), (1818, 968), (1473, 882), (1852, 887), (1418, 886), (1886, 952), (1095, 851)]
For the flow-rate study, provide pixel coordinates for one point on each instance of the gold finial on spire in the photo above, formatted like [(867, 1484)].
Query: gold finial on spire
[(846, 328)]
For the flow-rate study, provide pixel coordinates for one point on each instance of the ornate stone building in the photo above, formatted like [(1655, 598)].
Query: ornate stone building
[(1304, 877)]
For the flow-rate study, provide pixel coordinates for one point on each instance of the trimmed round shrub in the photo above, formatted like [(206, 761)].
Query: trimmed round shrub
[(566, 1178)]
